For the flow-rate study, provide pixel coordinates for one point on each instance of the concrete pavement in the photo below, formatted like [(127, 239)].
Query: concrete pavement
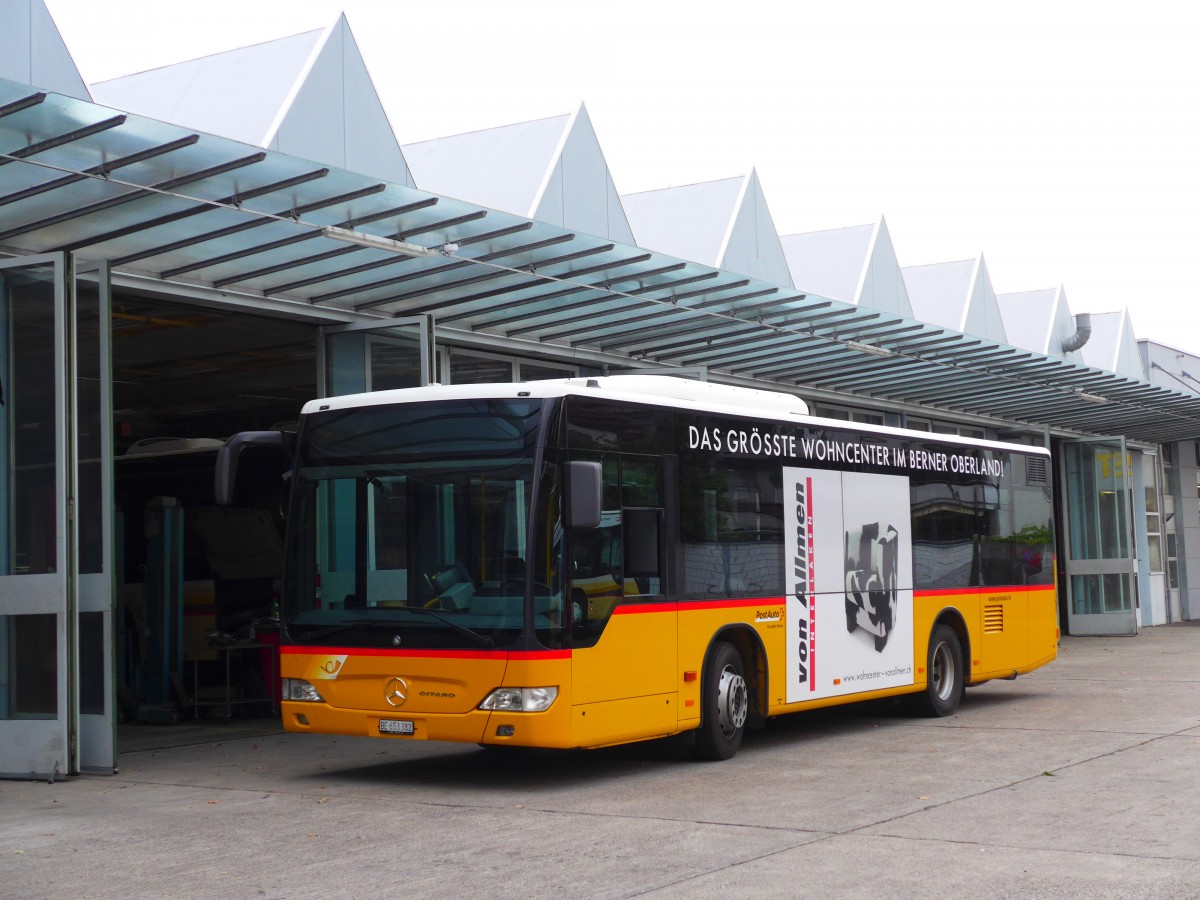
[(1080, 780)]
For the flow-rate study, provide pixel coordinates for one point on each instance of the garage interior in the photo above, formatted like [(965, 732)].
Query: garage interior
[(197, 625)]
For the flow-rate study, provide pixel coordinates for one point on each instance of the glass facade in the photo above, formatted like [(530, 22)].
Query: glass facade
[(28, 422), (1097, 488)]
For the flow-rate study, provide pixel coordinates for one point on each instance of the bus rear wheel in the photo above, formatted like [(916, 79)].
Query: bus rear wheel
[(946, 680), (724, 704)]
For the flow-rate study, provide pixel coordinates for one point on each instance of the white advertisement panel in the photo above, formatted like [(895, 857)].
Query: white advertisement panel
[(849, 582)]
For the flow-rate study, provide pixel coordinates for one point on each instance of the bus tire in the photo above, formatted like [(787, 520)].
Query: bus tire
[(946, 677), (724, 704)]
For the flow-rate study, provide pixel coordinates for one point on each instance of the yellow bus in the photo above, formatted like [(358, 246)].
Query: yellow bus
[(592, 561)]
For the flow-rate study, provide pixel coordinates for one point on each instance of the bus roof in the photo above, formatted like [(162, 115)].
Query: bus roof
[(662, 390), (685, 391)]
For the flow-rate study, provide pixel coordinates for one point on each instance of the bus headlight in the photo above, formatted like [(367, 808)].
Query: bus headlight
[(299, 689), (520, 699)]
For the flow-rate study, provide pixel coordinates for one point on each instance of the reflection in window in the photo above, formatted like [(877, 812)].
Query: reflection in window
[(538, 372), (737, 506), (602, 571), (976, 533), (395, 362), (358, 361), (1169, 492), (91, 663), (28, 526), (466, 368), (89, 428), (1153, 519)]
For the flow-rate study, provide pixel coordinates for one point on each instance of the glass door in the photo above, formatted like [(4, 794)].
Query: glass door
[(1100, 565), (92, 485), (37, 633), (368, 356), (56, 678)]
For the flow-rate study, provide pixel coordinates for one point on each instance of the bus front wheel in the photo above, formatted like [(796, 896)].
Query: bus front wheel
[(944, 689), (724, 703)]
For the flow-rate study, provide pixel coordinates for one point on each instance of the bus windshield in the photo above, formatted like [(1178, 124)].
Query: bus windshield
[(410, 526)]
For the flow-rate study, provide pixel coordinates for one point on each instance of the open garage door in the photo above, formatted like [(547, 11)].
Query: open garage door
[(56, 683)]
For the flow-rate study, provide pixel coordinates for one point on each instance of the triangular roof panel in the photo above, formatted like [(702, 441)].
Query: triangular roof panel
[(723, 223), (855, 264), (579, 193), (1029, 318), (752, 244), (688, 222), (1170, 367), (1040, 321), (312, 98), (939, 292), (882, 285), (956, 295), (1113, 345), (32, 50), (829, 263), (209, 93), (982, 317), (335, 114), (501, 168), (552, 170)]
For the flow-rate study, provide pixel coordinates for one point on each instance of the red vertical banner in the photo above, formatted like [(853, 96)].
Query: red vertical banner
[(812, 591)]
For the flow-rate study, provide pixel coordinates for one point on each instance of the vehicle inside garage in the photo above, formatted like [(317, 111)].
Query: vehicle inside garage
[(196, 583)]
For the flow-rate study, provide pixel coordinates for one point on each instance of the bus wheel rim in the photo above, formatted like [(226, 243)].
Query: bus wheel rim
[(733, 701), (942, 672)]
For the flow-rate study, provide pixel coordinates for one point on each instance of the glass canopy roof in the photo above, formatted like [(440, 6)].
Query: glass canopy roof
[(177, 205)]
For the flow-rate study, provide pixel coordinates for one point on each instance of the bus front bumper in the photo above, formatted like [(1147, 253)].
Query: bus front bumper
[(551, 728)]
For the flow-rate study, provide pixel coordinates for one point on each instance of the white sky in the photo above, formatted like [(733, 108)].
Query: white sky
[(1060, 139)]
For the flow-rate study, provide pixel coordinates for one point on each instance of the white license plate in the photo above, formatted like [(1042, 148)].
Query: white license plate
[(395, 726)]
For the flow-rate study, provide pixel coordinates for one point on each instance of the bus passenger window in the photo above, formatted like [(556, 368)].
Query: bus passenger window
[(736, 508)]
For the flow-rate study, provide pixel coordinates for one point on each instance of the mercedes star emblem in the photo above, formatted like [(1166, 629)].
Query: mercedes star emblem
[(395, 692)]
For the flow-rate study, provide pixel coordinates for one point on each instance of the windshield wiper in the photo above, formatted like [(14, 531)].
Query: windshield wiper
[(482, 640), (338, 629)]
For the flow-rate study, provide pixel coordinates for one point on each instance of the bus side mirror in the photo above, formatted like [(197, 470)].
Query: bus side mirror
[(584, 483), (225, 476)]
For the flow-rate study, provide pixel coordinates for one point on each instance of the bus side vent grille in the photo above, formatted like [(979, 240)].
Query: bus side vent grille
[(1035, 470), (993, 619)]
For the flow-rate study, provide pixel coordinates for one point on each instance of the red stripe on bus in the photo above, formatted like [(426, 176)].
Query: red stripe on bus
[(629, 609), (731, 603), (812, 589), (303, 650), (741, 602), (690, 605), (992, 589)]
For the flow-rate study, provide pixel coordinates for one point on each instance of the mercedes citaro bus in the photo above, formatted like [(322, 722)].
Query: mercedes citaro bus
[(591, 561)]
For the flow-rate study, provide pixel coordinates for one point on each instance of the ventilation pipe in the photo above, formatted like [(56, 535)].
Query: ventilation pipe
[(1083, 331)]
